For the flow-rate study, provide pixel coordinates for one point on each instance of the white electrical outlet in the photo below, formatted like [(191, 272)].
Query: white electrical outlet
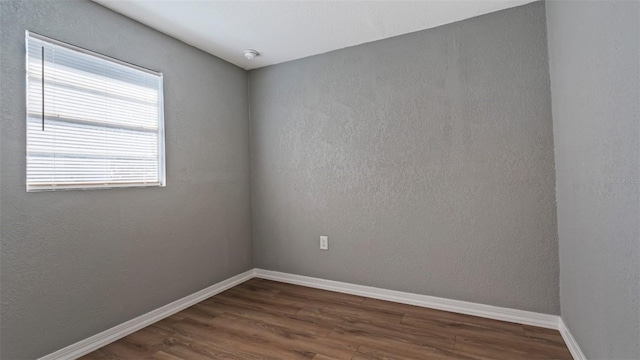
[(324, 243)]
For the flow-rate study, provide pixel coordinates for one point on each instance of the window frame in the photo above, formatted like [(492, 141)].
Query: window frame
[(162, 181)]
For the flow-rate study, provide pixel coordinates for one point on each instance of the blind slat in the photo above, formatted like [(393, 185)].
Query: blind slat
[(103, 123)]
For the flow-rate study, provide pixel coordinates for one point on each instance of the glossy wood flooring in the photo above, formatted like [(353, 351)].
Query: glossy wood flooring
[(263, 319)]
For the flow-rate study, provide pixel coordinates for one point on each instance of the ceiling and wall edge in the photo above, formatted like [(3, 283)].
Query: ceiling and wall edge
[(289, 30)]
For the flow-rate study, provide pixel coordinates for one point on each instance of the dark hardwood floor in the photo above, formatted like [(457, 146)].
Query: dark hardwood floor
[(262, 319)]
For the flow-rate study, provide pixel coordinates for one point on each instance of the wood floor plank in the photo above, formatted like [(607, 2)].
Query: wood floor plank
[(289, 338), (369, 353), (268, 320), (149, 336), (231, 341), (311, 293), (323, 357), (522, 343), (220, 302), (266, 303), (431, 314), (161, 355), (542, 333), (196, 313), (209, 311), (371, 335), (96, 355), (141, 344), (511, 348), (177, 349), (306, 324), (254, 289), (127, 350), (220, 348), (206, 350), (457, 328), (339, 314)]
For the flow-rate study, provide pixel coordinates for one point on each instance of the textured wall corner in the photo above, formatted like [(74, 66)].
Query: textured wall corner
[(75, 263), (426, 158), (594, 52)]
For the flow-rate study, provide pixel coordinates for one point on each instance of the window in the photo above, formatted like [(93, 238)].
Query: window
[(92, 121)]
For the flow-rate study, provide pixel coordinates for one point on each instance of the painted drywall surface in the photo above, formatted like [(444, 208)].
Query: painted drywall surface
[(426, 158), (75, 263), (283, 30), (594, 50)]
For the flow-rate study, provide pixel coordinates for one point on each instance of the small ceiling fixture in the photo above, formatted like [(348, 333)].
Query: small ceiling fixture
[(251, 54)]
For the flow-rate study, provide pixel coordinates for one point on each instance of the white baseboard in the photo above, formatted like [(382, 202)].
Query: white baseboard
[(457, 306), (571, 342), (106, 337)]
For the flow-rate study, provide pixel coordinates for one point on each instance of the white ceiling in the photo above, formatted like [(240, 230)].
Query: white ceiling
[(289, 30)]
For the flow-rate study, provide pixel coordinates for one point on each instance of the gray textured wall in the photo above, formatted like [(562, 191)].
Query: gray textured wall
[(426, 158), (594, 50), (75, 263)]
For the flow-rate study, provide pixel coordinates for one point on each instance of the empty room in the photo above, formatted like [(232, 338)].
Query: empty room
[(255, 179)]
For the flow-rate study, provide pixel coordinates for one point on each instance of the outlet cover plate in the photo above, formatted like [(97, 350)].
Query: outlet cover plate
[(324, 243)]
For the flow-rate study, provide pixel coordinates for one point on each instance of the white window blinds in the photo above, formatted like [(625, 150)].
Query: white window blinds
[(92, 121)]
